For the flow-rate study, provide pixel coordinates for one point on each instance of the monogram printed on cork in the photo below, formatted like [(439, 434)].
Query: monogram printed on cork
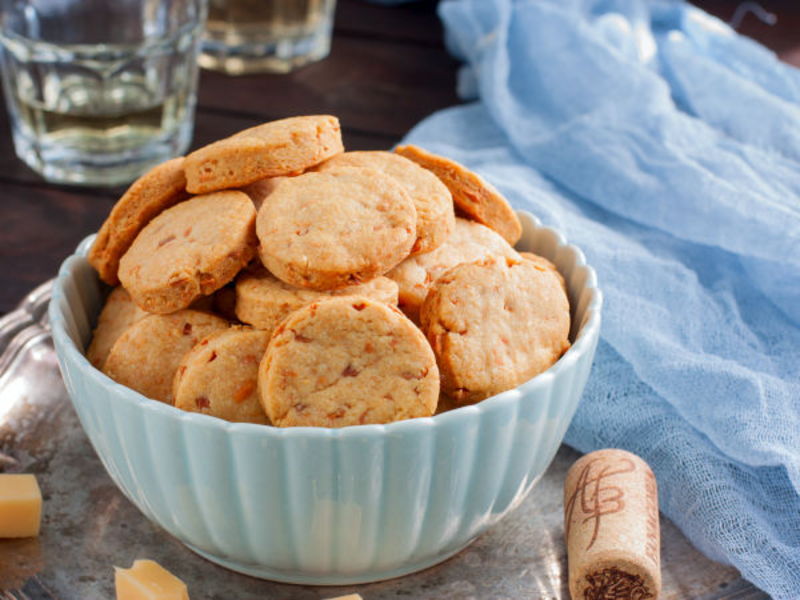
[(612, 529), (598, 496)]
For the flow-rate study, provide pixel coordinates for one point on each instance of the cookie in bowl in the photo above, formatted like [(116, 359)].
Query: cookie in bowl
[(218, 376), (274, 149), (432, 199), (263, 300), (334, 229), (495, 324), (146, 357), (189, 250), (347, 361)]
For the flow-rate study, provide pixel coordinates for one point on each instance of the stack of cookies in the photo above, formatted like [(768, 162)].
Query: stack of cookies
[(273, 278)]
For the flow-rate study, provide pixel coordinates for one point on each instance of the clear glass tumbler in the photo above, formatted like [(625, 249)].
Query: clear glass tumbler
[(270, 36), (98, 91)]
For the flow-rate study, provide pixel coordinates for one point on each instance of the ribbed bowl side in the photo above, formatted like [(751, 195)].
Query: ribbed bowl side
[(492, 461), (407, 482), (321, 506), (529, 441), (261, 478), (211, 490), (357, 499), (158, 440)]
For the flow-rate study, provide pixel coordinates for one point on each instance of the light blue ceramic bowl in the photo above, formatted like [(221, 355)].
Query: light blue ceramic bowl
[(327, 506)]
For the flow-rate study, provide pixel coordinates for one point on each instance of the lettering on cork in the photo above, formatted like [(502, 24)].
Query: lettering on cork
[(653, 546), (597, 493), (612, 528)]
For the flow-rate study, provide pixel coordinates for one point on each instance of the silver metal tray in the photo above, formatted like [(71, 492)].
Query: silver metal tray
[(88, 526)]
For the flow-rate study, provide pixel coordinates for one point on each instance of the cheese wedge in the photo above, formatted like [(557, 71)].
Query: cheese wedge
[(20, 506), (147, 580)]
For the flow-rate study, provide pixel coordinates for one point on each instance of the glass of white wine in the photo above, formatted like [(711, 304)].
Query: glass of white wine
[(99, 91), (266, 36)]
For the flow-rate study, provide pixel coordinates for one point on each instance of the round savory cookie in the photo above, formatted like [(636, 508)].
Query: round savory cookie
[(119, 312), (147, 355), (330, 230), (284, 147), (347, 361), (219, 376), (470, 241), (432, 199), (472, 195), (494, 324), (263, 300), (189, 250), (155, 191)]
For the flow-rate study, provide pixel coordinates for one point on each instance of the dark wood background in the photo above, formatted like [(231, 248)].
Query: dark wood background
[(387, 70)]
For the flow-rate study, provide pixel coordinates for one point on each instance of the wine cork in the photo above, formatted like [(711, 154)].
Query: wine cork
[(611, 525)]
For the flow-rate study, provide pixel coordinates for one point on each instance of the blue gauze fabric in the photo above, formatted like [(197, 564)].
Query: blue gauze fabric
[(666, 147)]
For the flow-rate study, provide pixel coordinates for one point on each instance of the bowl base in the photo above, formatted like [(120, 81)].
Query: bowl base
[(323, 579)]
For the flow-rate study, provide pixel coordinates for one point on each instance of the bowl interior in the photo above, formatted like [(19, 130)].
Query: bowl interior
[(79, 295)]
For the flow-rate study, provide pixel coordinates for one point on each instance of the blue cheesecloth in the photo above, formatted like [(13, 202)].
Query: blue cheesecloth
[(667, 147)]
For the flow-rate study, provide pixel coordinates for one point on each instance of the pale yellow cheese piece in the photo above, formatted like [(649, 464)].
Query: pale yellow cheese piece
[(148, 580), (348, 597), (20, 506)]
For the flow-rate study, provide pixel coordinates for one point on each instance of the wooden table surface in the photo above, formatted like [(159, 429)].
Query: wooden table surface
[(388, 69)]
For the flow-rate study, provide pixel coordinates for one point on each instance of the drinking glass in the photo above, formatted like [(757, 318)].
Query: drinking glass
[(98, 91), (274, 36)]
